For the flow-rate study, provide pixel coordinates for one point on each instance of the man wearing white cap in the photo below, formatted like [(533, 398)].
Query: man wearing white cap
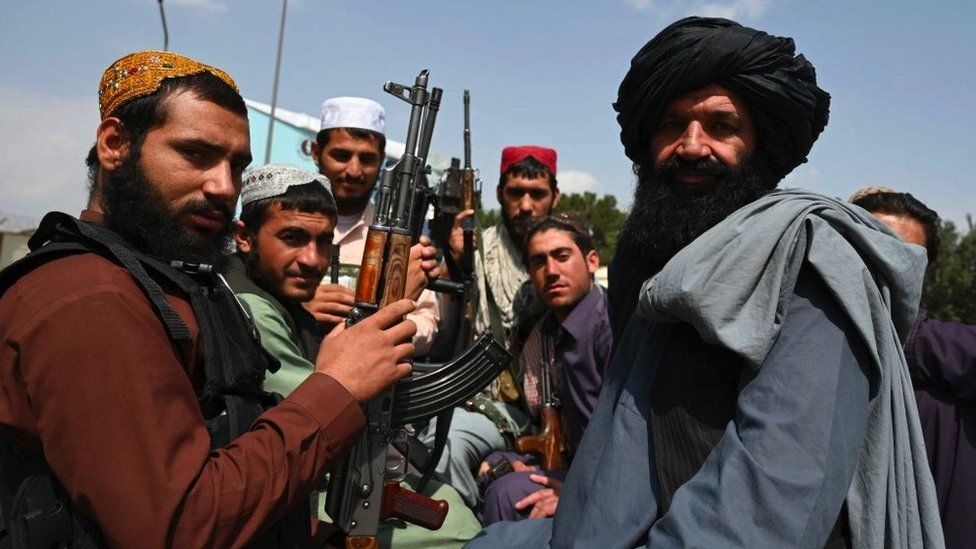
[(349, 150)]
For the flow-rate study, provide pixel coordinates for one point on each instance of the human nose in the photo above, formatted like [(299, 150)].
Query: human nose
[(309, 255), (220, 183), (354, 169), (552, 268), (525, 203), (692, 144)]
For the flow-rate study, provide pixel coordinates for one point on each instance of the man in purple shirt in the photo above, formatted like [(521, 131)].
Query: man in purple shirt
[(942, 360), (573, 341)]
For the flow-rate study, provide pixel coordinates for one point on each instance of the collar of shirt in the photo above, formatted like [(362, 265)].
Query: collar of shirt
[(580, 320), (364, 218)]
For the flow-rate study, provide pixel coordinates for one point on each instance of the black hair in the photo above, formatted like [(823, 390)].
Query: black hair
[(322, 138), (529, 168), (567, 222), (145, 113), (905, 204), (307, 198)]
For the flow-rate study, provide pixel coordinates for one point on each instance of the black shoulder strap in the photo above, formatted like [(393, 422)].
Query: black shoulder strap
[(60, 227)]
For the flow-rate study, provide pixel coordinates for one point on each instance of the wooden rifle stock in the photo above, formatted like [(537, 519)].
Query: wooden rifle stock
[(397, 259), (548, 444), (371, 268)]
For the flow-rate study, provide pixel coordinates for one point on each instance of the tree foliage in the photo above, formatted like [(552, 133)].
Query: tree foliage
[(950, 284), (603, 216)]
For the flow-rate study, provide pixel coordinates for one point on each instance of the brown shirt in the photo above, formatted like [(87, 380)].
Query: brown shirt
[(88, 374)]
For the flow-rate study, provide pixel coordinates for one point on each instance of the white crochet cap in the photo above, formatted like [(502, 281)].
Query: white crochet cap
[(353, 112), (273, 180)]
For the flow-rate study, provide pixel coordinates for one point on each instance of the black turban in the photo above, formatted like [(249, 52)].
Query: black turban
[(779, 87)]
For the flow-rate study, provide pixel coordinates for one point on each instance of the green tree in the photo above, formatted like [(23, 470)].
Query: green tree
[(487, 218), (950, 284), (602, 214)]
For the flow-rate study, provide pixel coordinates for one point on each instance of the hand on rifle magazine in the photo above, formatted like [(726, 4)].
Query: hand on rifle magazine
[(372, 355), (331, 304), (457, 235), (423, 267), (544, 501)]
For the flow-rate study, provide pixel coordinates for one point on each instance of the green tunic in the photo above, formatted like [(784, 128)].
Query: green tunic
[(276, 337)]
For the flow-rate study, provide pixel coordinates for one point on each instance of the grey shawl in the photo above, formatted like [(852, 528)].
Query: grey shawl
[(733, 285)]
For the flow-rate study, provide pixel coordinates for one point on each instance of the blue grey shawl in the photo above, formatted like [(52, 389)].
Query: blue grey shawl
[(733, 285)]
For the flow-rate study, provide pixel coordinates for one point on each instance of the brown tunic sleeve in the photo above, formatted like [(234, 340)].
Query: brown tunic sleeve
[(87, 371)]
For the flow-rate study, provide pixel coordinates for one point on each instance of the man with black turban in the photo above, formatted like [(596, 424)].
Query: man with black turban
[(758, 396)]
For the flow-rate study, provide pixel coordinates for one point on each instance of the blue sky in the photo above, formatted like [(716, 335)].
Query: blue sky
[(544, 72)]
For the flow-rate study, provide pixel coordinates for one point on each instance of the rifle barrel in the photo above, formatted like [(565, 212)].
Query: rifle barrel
[(467, 130)]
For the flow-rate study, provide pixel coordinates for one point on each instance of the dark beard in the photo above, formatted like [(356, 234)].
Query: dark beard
[(353, 205), (667, 215), (516, 227), (138, 212)]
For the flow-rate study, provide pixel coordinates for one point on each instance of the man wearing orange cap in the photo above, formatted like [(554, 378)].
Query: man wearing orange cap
[(527, 190), (132, 411)]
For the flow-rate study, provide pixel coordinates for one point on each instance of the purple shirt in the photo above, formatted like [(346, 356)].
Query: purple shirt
[(581, 351), (942, 360)]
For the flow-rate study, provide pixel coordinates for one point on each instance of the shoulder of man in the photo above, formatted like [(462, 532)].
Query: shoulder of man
[(64, 279)]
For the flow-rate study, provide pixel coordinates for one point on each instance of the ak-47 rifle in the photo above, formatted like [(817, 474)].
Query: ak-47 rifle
[(459, 191), (548, 444), (363, 490), (468, 228)]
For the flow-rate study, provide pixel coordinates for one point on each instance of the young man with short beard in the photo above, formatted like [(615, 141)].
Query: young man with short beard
[(572, 341), (284, 248), (349, 150), (758, 395), (284, 245), (133, 414)]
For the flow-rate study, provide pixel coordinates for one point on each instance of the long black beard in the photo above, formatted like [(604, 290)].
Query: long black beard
[(139, 213), (667, 215)]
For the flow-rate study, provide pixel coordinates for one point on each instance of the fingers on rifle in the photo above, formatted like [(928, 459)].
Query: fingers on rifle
[(402, 332), (403, 369), (461, 215), (392, 314), (322, 318), (340, 327)]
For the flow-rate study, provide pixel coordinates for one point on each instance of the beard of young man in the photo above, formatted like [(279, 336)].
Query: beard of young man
[(139, 213), (667, 215)]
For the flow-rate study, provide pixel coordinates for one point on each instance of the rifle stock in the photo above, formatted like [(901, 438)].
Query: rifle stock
[(548, 444)]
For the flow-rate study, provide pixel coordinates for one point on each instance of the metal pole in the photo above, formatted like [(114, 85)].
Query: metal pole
[(274, 91), (162, 15)]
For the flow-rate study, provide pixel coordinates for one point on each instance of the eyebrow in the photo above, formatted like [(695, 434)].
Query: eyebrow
[(243, 158), (554, 251), (726, 116)]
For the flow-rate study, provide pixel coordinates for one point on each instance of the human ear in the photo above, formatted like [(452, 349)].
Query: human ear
[(242, 237), (111, 144)]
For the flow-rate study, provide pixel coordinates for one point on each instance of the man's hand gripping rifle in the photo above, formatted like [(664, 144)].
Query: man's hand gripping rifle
[(363, 490)]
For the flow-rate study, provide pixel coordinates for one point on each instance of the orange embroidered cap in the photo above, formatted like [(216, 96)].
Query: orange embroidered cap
[(140, 74)]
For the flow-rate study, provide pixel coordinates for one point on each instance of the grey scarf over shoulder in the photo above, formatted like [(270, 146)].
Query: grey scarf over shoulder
[(733, 285)]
